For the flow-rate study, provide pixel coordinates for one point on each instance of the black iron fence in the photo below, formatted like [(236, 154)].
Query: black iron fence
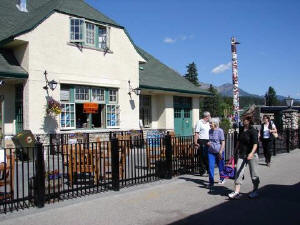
[(54, 173)]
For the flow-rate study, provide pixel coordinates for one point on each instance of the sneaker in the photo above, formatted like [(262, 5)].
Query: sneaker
[(234, 195), (268, 164), (253, 194), (222, 181)]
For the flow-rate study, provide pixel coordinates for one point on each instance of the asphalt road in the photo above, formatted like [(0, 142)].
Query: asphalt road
[(183, 200)]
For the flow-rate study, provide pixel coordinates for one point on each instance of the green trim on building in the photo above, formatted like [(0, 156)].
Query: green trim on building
[(13, 75), (174, 90)]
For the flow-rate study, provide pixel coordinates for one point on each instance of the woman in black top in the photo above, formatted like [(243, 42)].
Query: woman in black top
[(246, 147), (267, 130)]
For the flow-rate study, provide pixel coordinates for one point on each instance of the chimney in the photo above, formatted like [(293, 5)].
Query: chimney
[(21, 5)]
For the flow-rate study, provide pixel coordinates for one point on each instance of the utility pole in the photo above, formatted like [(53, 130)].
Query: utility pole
[(235, 82)]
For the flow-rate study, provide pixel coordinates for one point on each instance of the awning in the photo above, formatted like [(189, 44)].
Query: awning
[(9, 66)]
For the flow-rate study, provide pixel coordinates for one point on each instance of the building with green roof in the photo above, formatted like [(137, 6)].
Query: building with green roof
[(66, 52)]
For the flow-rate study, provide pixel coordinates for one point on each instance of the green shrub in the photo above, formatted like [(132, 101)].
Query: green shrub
[(225, 124)]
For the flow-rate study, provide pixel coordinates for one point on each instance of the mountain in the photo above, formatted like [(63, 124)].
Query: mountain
[(226, 90)]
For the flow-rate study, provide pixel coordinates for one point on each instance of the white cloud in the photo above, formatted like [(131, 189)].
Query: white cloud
[(169, 40), (221, 68)]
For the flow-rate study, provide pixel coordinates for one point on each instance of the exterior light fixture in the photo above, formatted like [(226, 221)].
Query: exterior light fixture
[(49, 84), (137, 91), (289, 101)]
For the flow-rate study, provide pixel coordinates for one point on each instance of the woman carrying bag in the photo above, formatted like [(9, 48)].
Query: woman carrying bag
[(267, 134), (246, 148), (216, 147)]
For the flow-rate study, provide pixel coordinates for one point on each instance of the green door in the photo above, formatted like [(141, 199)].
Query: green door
[(182, 122), (182, 116), (178, 122)]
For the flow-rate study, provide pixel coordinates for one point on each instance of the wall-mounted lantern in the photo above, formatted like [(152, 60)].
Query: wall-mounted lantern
[(49, 84), (137, 91)]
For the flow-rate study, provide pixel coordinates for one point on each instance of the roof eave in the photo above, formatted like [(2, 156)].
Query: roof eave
[(175, 90), (9, 74)]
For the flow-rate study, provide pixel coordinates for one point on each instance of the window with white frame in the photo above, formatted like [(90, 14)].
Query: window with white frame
[(82, 94), (112, 116), (67, 116), (76, 30), (90, 34), (102, 37), (112, 96), (98, 95)]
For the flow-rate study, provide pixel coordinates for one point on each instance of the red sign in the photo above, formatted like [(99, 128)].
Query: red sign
[(90, 107)]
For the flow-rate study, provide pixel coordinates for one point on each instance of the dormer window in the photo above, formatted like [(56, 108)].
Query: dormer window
[(77, 30), (89, 34)]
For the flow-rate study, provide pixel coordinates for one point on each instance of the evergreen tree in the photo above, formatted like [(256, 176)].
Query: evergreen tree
[(212, 104), (271, 98), (192, 74)]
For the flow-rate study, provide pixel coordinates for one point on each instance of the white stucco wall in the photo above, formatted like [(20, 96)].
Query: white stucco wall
[(195, 112), (48, 49), (162, 112)]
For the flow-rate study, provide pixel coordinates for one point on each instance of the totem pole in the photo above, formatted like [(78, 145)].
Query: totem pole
[(235, 82)]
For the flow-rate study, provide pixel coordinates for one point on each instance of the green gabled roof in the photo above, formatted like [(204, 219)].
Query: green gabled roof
[(157, 76), (13, 22), (9, 67)]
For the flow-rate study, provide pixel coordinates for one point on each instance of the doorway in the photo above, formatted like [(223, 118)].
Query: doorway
[(182, 116)]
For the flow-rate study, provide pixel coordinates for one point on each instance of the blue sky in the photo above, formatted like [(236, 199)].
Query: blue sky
[(179, 32)]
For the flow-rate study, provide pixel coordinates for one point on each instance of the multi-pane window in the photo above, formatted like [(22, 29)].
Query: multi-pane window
[(76, 30), (76, 102), (98, 95), (82, 94), (112, 95), (67, 116), (102, 38), (177, 113), (112, 115), (90, 33), (187, 113), (145, 110)]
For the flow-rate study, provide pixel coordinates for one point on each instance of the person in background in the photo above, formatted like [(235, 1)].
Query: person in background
[(216, 146), (266, 137), (246, 148), (200, 140)]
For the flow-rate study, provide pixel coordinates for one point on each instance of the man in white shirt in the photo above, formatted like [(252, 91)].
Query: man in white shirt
[(200, 140)]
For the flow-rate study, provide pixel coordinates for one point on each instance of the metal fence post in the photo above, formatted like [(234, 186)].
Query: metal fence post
[(168, 156), (115, 164), (288, 140), (274, 146), (39, 181)]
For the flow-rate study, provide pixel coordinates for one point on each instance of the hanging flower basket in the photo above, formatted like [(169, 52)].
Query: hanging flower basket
[(53, 107)]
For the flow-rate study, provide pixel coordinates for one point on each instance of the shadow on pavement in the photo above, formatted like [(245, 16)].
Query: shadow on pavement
[(277, 205), (216, 190)]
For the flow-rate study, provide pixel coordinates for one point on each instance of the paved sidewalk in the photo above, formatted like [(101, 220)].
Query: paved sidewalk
[(182, 200)]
